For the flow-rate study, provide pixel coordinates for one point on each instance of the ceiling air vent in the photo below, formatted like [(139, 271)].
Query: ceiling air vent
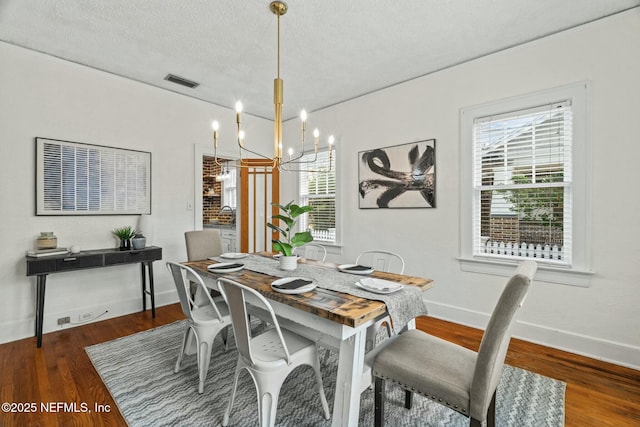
[(181, 81)]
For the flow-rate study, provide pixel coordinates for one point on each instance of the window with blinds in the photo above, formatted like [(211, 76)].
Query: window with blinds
[(317, 185), (229, 188), (82, 179), (522, 184)]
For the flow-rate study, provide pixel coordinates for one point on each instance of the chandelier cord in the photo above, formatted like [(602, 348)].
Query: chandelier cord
[(278, 45)]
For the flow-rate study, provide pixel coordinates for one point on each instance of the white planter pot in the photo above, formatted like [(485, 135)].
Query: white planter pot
[(288, 262)]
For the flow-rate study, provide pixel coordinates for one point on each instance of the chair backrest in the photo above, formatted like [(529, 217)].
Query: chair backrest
[(202, 244), (235, 295), (179, 274), (382, 260), (311, 251), (495, 340)]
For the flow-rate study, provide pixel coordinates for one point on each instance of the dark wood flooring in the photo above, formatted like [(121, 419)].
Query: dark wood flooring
[(60, 373)]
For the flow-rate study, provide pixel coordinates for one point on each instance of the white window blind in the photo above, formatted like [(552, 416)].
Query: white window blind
[(83, 179), (229, 188), (522, 175), (318, 189)]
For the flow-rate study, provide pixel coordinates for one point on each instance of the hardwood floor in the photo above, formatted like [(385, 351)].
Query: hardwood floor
[(597, 394), (59, 373)]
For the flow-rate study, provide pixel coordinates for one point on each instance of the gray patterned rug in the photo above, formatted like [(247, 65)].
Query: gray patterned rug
[(138, 371)]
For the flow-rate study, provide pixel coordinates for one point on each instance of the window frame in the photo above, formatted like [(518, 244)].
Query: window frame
[(578, 272), (301, 197)]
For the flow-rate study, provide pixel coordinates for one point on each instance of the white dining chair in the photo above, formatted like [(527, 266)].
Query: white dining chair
[(269, 357), (204, 321), (389, 262), (311, 251), (382, 260)]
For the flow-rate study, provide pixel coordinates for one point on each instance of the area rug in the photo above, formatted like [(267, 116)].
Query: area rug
[(138, 371)]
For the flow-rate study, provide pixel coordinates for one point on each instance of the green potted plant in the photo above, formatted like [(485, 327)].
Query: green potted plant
[(289, 238), (125, 234)]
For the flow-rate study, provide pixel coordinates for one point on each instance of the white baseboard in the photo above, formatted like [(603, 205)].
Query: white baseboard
[(25, 328), (596, 348)]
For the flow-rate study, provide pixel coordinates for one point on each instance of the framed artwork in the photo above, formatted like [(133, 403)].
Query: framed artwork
[(73, 178), (400, 176)]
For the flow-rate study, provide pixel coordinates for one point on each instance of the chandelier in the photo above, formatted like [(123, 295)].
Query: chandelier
[(278, 8)]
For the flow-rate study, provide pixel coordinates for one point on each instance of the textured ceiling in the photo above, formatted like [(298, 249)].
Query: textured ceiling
[(332, 50)]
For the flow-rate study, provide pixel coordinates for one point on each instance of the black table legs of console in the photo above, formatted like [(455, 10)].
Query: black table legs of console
[(40, 287), (144, 266)]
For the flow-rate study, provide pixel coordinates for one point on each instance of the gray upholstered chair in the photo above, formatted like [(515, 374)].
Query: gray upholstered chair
[(450, 374), (268, 357), (204, 321), (202, 244)]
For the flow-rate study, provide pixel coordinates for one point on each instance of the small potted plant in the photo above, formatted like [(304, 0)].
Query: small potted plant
[(125, 234), (289, 238)]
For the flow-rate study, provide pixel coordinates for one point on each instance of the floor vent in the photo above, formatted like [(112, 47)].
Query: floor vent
[(181, 81)]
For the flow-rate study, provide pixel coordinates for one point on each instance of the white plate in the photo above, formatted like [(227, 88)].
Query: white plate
[(345, 269), (219, 267), (379, 286), (301, 290), (278, 256), (234, 255)]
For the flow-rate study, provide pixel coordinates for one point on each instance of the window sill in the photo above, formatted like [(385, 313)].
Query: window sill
[(545, 273)]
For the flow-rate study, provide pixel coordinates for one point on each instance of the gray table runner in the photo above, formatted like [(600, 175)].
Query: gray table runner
[(403, 305)]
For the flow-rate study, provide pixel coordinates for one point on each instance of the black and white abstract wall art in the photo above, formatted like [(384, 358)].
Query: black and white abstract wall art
[(401, 176)]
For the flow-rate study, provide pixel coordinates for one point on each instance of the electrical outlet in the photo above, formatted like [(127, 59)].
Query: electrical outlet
[(85, 316), (64, 320)]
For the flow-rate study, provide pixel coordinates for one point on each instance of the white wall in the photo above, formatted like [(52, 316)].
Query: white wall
[(48, 97), (602, 320)]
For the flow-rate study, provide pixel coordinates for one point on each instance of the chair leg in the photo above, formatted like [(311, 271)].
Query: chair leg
[(408, 399), (388, 325), (379, 402), (204, 356), (183, 350), (491, 415), (491, 412), (267, 406), (323, 398), (268, 387), (227, 413), (225, 338)]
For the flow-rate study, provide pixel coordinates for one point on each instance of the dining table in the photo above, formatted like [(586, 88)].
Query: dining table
[(337, 314)]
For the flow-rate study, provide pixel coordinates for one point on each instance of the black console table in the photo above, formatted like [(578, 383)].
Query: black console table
[(43, 266)]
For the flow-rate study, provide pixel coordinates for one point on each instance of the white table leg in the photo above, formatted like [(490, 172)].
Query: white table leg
[(346, 405)]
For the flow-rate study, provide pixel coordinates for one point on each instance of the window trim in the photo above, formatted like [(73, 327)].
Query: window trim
[(579, 272)]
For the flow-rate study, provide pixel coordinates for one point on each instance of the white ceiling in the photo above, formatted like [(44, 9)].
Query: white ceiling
[(332, 50)]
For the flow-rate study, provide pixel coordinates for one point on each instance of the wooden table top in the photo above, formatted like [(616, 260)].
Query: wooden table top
[(336, 306)]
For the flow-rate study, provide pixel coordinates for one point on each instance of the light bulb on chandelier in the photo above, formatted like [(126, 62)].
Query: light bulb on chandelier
[(279, 8)]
